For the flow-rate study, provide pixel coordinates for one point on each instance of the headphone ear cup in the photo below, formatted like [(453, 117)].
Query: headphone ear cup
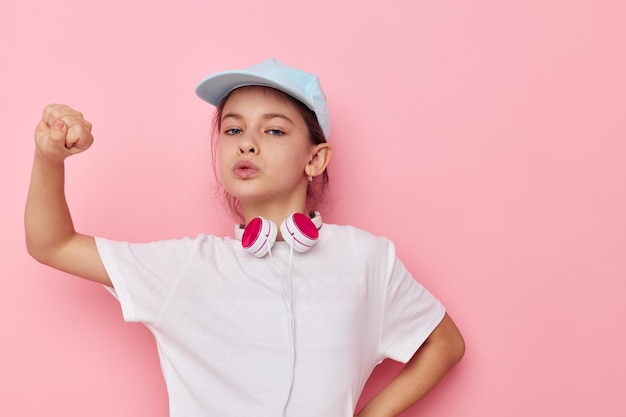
[(259, 236), (300, 231)]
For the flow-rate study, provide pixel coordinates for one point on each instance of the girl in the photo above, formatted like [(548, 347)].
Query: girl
[(288, 317)]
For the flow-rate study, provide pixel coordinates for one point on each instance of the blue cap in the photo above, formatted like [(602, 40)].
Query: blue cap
[(299, 84)]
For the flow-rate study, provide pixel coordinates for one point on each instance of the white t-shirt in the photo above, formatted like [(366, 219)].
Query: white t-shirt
[(235, 341)]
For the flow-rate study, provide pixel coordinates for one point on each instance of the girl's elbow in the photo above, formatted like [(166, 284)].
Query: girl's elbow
[(457, 350)]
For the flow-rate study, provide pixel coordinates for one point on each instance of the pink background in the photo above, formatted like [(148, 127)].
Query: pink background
[(486, 138)]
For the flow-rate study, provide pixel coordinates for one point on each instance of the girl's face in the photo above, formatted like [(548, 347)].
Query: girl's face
[(263, 151)]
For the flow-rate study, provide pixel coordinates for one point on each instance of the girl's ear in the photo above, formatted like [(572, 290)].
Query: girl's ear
[(320, 157)]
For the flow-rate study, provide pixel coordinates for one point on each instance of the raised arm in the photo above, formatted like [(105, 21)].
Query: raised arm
[(50, 235), (443, 349)]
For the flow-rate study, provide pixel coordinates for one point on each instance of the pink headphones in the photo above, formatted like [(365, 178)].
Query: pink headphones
[(298, 230)]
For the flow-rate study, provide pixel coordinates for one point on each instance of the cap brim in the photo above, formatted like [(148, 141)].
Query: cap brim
[(217, 86)]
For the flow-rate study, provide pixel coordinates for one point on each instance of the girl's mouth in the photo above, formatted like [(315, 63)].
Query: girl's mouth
[(245, 169)]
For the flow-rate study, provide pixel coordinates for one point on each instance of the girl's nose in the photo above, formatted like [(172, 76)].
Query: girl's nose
[(243, 149), (248, 145)]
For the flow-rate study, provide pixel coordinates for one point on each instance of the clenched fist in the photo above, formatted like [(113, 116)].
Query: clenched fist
[(62, 132)]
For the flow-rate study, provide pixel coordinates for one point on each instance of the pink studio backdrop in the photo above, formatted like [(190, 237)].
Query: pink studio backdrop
[(487, 139)]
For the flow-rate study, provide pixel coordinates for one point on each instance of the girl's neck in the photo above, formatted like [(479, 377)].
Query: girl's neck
[(275, 213)]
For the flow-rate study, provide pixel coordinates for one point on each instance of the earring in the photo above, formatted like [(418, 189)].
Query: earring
[(310, 178)]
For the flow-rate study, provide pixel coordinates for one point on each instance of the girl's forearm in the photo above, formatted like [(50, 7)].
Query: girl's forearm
[(440, 353), (47, 218)]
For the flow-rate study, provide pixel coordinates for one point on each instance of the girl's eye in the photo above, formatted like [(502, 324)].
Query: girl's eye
[(232, 131), (275, 132)]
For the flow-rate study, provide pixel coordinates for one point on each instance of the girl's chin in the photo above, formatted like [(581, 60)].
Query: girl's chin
[(251, 195), (249, 199)]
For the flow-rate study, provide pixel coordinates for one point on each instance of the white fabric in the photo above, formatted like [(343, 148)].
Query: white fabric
[(219, 316)]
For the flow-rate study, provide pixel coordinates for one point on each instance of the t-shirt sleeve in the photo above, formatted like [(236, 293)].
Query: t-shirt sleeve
[(143, 274), (410, 312)]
